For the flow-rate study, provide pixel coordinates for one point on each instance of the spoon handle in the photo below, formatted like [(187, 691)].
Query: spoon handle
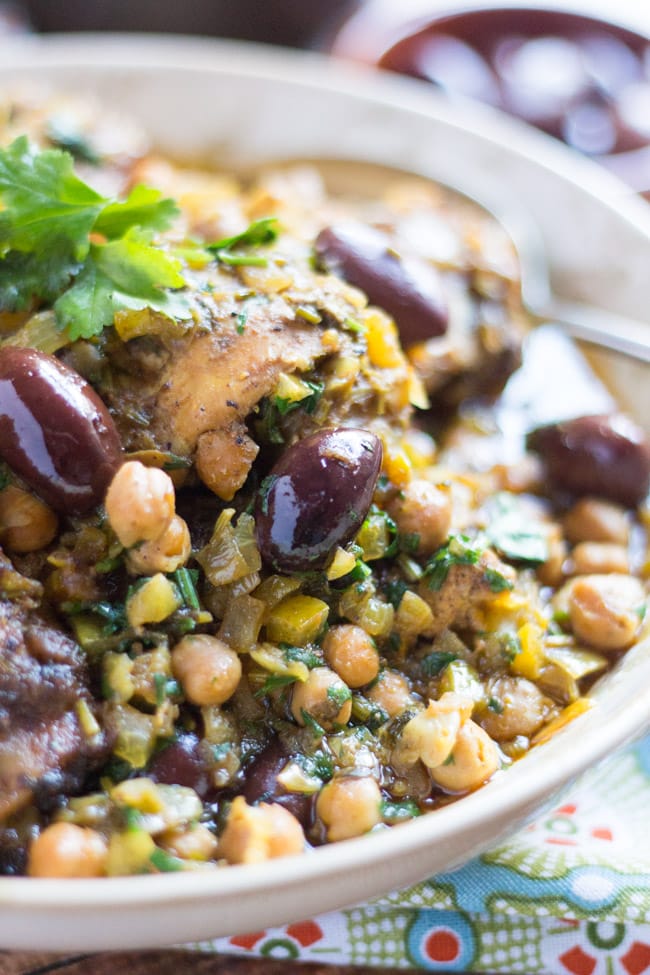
[(596, 326)]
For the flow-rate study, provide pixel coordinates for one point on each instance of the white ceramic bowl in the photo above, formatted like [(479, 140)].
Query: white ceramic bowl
[(242, 105)]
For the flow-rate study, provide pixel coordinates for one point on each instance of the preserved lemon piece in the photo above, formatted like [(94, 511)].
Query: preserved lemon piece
[(528, 662), (153, 601), (297, 620)]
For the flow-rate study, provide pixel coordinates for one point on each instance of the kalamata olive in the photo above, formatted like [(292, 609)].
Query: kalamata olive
[(261, 782), (181, 763), (408, 288), (606, 455), (316, 497), (55, 432)]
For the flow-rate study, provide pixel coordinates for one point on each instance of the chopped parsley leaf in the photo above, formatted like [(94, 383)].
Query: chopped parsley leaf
[(394, 591), (399, 812), (458, 550), (339, 695), (275, 682), (434, 663), (495, 705), (513, 533), (304, 655), (65, 244), (258, 233), (165, 687), (308, 403), (496, 581)]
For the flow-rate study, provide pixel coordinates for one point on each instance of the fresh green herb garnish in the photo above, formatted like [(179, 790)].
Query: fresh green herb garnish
[(458, 550), (360, 572), (434, 663), (257, 234), (510, 646), (367, 713), (165, 687), (114, 614), (497, 581), (513, 533), (461, 550), (165, 862), (394, 591), (186, 580), (275, 682), (175, 463), (317, 730), (307, 403), (495, 705), (267, 426), (339, 695), (63, 243), (399, 812), (265, 490), (409, 542), (319, 764), (304, 655), (379, 525)]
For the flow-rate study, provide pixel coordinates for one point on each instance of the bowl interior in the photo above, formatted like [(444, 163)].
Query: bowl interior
[(233, 105)]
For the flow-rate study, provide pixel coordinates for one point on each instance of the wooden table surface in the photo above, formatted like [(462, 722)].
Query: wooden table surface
[(167, 962)]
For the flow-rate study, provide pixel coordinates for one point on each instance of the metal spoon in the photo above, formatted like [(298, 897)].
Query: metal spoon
[(588, 323)]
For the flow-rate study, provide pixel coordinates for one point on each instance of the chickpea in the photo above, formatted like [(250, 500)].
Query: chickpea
[(551, 573), (520, 708), (430, 736), (599, 558), (473, 760), (207, 669), (27, 524), (349, 806), (352, 654), (391, 692), (423, 511), (164, 554), (257, 833), (66, 850), (323, 696), (195, 842), (140, 503), (593, 520), (605, 610)]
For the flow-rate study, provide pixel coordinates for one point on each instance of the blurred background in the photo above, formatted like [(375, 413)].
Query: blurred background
[(295, 23), (576, 69)]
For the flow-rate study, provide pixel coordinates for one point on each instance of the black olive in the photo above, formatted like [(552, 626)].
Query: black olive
[(606, 455), (181, 763), (408, 288), (316, 497), (262, 784), (55, 432)]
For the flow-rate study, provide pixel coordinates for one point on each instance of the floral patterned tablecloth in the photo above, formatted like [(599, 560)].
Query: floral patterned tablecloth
[(567, 895)]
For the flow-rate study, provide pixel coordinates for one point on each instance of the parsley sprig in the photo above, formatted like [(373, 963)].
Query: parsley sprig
[(63, 243), (229, 251), (462, 550)]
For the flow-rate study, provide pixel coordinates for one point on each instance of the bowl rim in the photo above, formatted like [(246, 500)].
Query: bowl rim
[(493, 802)]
